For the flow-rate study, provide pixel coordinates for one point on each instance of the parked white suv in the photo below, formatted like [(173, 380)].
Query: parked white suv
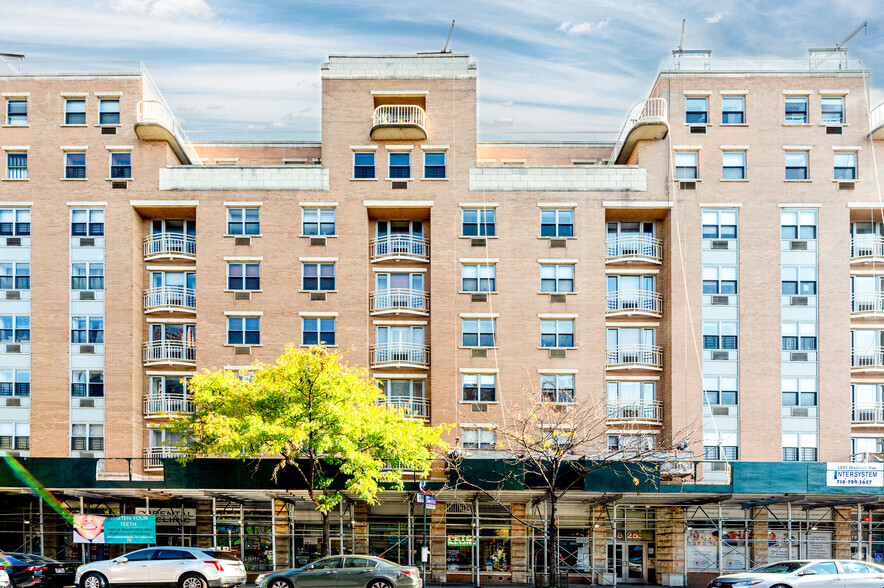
[(4, 577), (184, 567)]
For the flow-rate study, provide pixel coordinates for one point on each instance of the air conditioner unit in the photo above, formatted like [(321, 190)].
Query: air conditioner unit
[(721, 355), (400, 185), (85, 454), (720, 411), (798, 356), (13, 295), (479, 353), (846, 185), (558, 298), (13, 348), (242, 350), (13, 241), (108, 130), (245, 241), (120, 185), (558, 243), (720, 300), (87, 241), (317, 296), (798, 300), (698, 130), (87, 403), (800, 412), (558, 353), (87, 295), (718, 466), (834, 130), (242, 295), (479, 298), (478, 242), (719, 245), (798, 245), (687, 185), (318, 241), (87, 348), (13, 402), (479, 407)]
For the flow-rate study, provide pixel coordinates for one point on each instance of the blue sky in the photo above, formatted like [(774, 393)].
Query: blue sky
[(543, 66)]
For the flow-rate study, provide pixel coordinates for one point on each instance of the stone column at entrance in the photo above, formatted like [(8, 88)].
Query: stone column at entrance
[(437, 541), (283, 535), (670, 544), (843, 518), (759, 536), (204, 524), (360, 527), (601, 532), (518, 545)]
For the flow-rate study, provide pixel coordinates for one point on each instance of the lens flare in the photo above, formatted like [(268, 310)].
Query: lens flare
[(38, 488)]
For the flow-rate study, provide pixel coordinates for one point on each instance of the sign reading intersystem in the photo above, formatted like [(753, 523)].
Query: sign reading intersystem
[(864, 475)]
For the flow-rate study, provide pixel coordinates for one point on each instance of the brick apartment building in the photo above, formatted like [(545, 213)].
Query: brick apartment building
[(711, 274)]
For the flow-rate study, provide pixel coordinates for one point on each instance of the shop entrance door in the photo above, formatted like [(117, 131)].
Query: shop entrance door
[(629, 562)]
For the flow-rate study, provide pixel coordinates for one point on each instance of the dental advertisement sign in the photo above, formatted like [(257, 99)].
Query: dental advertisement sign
[(855, 475), (135, 529)]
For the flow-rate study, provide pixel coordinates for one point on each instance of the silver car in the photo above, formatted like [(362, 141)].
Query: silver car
[(348, 571), (821, 573), (183, 567)]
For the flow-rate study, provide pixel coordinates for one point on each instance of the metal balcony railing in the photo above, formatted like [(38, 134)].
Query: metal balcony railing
[(170, 298), (400, 353), (876, 118), (169, 245), (156, 404), (399, 246), (867, 302), (634, 247), (158, 113), (399, 115), (399, 300), (624, 356), (867, 357), (634, 302), (416, 407), (868, 412), (166, 351), (153, 455), (867, 457), (650, 411), (863, 247), (646, 111)]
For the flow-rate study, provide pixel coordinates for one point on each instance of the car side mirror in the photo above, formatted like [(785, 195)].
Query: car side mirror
[(308, 568), (122, 559), (808, 573)]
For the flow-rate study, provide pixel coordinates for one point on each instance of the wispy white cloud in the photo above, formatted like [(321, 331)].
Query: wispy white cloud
[(583, 28), (714, 18), (165, 8)]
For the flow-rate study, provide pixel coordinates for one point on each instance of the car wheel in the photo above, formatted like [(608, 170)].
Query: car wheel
[(379, 584), (279, 583), (188, 581), (93, 581)]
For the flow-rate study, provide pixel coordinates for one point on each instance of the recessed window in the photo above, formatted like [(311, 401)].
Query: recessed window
[(796, 110), (696, 110), (15, 276), (244, 276), (557, 388), (318, 221), (733, 110), (243, 221), (317, 331), (17, 113), (720, 390), (245, 330), (478, 277), (845, 165), (799, 280), (556, 222), (479, 438), (87, 276), (319, 277), (557, 333), (87, 383), (87, 222), (15, 382), (557, 278), (75, 112), (478, 222), (108, 111), (87, 329), (479, 387), (400, 165), (719, 335), (719, 279), (832, 110), (479, 332), (74, 165), (87, 437), (15, 221), (733, 165), (796, 165), (17, 165), (121, 165), (363, 165), (687, 165), (434, 165)]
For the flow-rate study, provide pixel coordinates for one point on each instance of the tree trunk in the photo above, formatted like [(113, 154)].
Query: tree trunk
[(326, 536), (553, 542)]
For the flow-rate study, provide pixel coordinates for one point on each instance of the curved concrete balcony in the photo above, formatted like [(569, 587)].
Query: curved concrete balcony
[(634, 303), (153, 457), (867, 359), (865, 248), (868, 413), (867, 304), (640, 413), (876, 122), (169, 299), (166, 352), (169, 246), (156, 122), (621, 357), (160, 405), (413, 407), (398, 122), (400, 354), (399, 246), (634, 248), (648, 120), (399, 300)]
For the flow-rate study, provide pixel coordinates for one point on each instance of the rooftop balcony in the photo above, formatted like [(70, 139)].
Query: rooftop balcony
[(646, 121), (159, 405), (169, 299), (169, 246), (620, 357), (399, 246), (169, 352), (867, 359), (414, 407), (868, 413), (398, 122), (154, 455), (876, 122), (867, 304), (631, 248), (864, 248), (647, 413), (634, 303), (399, 300), (400, 354), (157, 122)]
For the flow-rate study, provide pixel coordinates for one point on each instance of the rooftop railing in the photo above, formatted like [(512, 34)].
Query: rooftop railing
[(10, 67), (154, 111), (706, 63), (876, 118), (653, 109)]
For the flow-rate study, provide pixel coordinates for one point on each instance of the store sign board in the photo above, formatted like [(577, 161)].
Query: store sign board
[(867, 475), (461, 541), (136, 529), (168, 516)]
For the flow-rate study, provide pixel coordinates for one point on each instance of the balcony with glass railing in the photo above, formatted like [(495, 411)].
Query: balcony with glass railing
[(634, 302), (399, 246), (638, 356), (868, 413), (169, 299), (169, 246), (169, 352), (158, 405), (400, 354), (153, 457), (634, 248), (867, 304), (396, 300), (644, 412), (413, 407), (865, 248), (392, 122)]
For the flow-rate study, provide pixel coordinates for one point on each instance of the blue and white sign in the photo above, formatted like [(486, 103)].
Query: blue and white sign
[(855, 475)]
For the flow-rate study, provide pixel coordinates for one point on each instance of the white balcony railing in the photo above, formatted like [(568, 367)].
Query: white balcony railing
[(170, 298), (153, 455), (868, 412), (158, 113), (876, 117), (624, 356), (867, 302), (646, 111), (156, 404), (867, 457), (400, 246), (634, 247), (400, 353), (399, 115), (650, 411), (416, 407), (867, 358), (399, 300), (169, 245), (634, 302), (864, 247), (166, 351)]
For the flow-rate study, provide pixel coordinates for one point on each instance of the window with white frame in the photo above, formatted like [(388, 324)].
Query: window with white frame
[(720, 335), (109, 111), (244, 330), (400, 165), (318, 221), (720, 390), (799, 447), (75, 111), (478, 222), (16, 165), (845, 165), (631, 442), (799, 280), (478, 277), (15, 436), (719, 224), (832, 108), (405, 393), (87, 329), (696, 110), (687, 166), (719, 279), (479, 438), (799, 391), (318, 331), (557, 222), (15, 329), (799, 336), (797, 167), (87, 437), (557, 278), (720, 452), (244, 221), (733, 110), (17, 112), (15, 221), (631, 399), (434, 165), (479, 387), (557, 333), (363, 165), (15, 276), (798, 224), (87, 276), (121, 165), (318, 277), (75, 165), (479, 332), (557, 388), (15, 382), (87, 383), (796, 110), (733, 165), (244, 276)]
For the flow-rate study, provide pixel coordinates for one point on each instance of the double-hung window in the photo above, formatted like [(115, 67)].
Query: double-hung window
[(87, 276), (798, 224), (87, 222), (478, 222), (17, 165), (719, 224), (434, 165), (15, 221), (557, 222), (799, 280), (479, 438), (557, 388), (687, 165), (15, 382), (121, 165), (719, 279), (15, 329), (75, 165), (318, 277), (799, 391), (557, 333), (733, 110), (797, 166), (733, 165), (363, 165), (845, 165), (87, 437), (799, 447), (17, 112), (318, 221), (87, 329), (557, 278), (719, 335), (479, 332), (108, 111), (400, 165), (244, 330), (796, 110), (479, 387), (799, 336), (15, 436), (832, 110), (243, 221), (244, 276), (318, 331), (720, 390), (87, 383), (15, 276), (696, 110), (75, 111), (478, 277)]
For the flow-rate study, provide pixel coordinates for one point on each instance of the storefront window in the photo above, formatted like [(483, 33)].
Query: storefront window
[(390, 541), (494, 547), (460, 546)]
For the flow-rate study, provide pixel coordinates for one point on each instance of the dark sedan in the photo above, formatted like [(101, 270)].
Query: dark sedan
[(348, 571), (29, 570)]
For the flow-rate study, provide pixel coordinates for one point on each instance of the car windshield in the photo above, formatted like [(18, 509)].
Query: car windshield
[(783, 567), (225, 555)]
